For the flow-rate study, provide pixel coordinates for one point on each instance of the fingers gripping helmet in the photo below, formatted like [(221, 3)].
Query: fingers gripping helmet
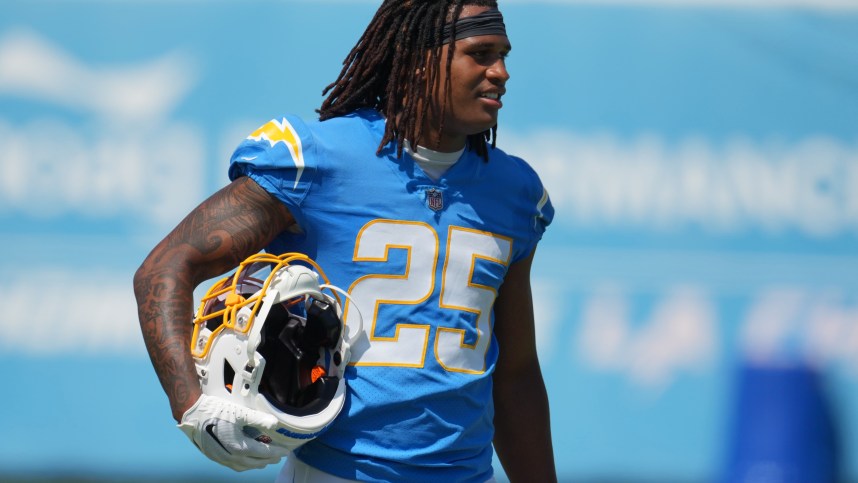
[(268, 338)]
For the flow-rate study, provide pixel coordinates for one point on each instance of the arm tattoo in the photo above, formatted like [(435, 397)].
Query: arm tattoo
[(233, 224)]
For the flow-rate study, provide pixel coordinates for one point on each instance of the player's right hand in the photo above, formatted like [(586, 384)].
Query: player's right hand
[(230, 434)]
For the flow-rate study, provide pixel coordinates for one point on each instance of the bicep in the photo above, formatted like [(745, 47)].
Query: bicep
[(234, 223)]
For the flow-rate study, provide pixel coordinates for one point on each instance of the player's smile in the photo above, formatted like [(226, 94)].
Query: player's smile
[(493, 98)]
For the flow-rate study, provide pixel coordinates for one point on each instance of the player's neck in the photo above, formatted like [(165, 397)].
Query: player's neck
[(432, 138), (437, 139)]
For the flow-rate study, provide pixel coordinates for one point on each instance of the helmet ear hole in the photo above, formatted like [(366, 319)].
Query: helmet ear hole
[(228, 375)]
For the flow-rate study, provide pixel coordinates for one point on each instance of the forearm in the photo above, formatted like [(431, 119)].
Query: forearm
[(522, 428), (164, 305), (164, 287)]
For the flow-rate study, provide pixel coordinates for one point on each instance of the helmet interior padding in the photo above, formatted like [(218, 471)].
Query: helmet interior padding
[(291, 347)]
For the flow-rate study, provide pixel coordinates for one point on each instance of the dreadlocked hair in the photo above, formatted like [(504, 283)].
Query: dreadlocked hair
[(379, 72)]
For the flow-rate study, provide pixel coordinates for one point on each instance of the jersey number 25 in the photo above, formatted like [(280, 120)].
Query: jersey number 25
[(408, 345)]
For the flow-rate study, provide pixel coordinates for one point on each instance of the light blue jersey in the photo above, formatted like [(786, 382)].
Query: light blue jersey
[(423, 261)]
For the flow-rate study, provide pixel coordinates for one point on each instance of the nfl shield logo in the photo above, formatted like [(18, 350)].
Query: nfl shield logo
[(434, 199)]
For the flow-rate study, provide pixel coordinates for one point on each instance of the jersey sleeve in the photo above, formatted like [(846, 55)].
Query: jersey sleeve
[(279, 157), (544, 213), (539, 206)]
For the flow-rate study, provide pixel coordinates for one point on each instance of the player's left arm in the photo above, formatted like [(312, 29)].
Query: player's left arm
[(522, 424)]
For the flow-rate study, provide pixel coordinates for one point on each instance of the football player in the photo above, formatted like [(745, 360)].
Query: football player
[(399, 192)]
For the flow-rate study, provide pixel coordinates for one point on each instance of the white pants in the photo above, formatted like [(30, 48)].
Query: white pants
[(296, 471)]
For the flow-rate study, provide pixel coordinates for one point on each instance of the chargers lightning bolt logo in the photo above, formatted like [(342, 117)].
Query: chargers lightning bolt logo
[(274, 132)]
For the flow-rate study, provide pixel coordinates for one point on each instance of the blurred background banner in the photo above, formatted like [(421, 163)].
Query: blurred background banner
[(696, 296)]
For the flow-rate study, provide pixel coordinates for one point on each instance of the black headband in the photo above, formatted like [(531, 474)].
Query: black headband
[(489, 22)]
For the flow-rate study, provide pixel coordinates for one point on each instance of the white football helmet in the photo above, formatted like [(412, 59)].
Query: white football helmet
[(268, 338)]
